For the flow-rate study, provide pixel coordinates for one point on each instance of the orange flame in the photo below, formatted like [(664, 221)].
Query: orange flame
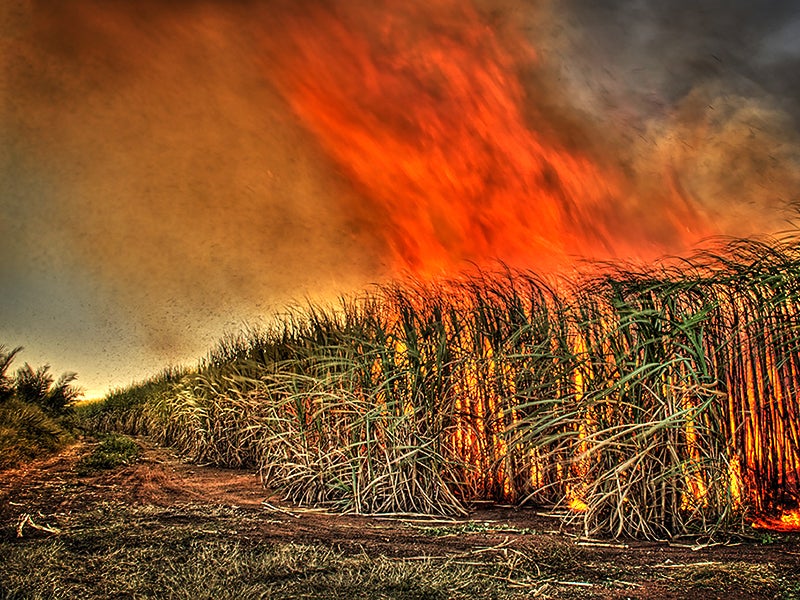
[(788, 520), (422, 106)]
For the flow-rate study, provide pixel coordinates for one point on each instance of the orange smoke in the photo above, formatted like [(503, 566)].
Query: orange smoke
[(423, 107)]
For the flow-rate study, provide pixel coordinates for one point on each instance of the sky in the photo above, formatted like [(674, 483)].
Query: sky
[(171, 171)]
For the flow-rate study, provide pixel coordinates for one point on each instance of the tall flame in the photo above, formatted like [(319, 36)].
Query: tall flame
[(432, 123)]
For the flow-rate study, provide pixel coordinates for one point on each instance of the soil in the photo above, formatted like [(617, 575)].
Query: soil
[(50, 490)]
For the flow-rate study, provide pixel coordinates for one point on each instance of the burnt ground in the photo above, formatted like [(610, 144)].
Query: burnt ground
[(522, 553)]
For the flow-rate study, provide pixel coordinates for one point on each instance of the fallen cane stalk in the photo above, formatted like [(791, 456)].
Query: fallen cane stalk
[(25, 519), (274, 508)]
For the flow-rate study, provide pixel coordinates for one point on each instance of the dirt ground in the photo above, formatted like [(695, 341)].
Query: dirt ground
[(47, 497)]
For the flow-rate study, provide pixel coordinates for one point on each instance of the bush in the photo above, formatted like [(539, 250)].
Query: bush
[(6, 383), (33, 407), (27, 432), (40, 387), (113, 451)]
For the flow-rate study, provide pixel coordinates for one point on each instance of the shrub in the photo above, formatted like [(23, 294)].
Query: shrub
[(32, 410), (38, 386), (6, 382), (27, 432), (114, 450)]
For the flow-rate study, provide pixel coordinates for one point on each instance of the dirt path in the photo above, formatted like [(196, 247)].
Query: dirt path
[(54, 496)]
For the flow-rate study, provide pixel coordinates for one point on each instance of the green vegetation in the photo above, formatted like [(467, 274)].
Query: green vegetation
[(27, 432), (114, 450), (665, 400), (33, 407), (128, 409)]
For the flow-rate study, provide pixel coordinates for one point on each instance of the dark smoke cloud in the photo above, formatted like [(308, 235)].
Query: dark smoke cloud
[(676, 46), (663, 51), (706, 92), (759, 42)]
